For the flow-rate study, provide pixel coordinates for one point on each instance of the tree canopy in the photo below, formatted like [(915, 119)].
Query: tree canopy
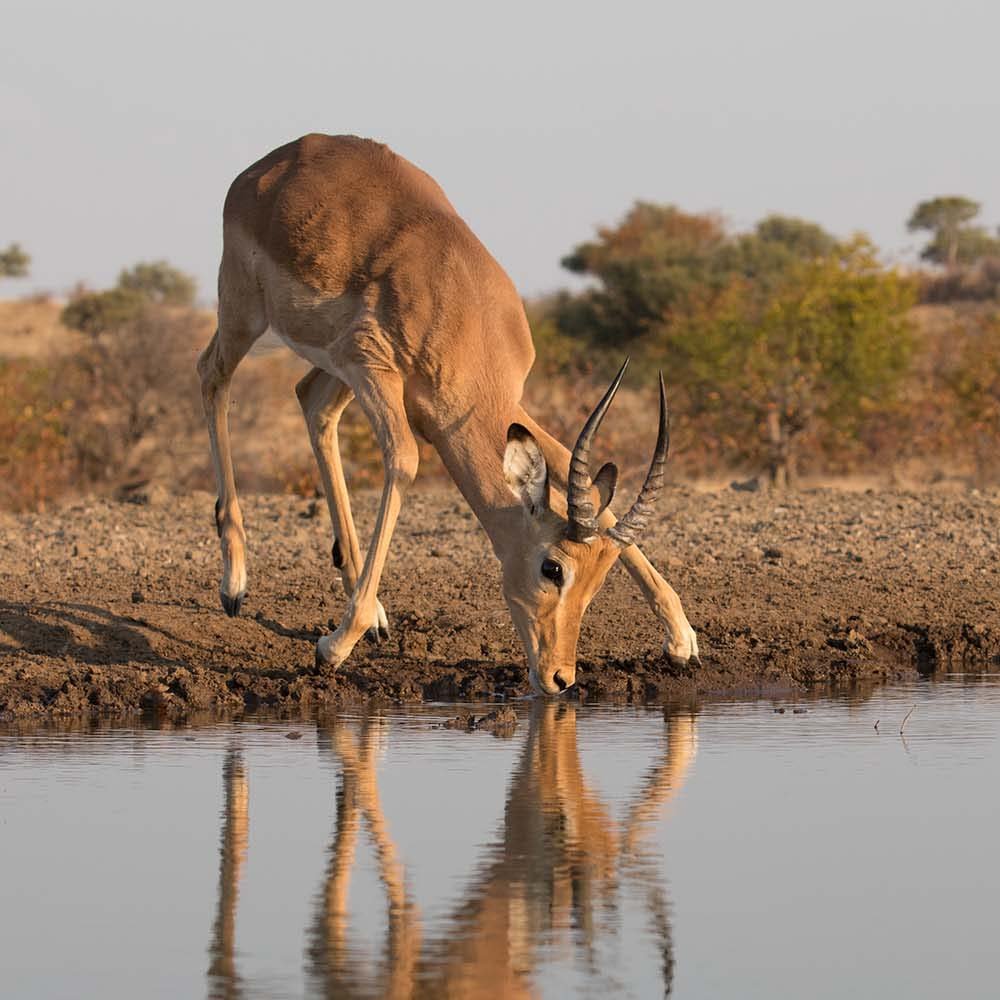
[(833, 337), (769, 334), (826, 346), (953, 240), (157, 281), (660, 261), (649, 264), (145, 284), (95, 312), (14, 262), (776, 243)]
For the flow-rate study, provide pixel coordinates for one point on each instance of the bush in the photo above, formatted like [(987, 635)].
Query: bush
[(826, 348), (36, 454), (140, 412), (979, 282), (156, 281), (96, 312), (14, 262)]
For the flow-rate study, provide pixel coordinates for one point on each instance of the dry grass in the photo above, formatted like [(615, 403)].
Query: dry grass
[(81, 414), (30, 328)]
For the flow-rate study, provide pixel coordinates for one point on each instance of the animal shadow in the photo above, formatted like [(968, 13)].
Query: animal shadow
[(80, 632)]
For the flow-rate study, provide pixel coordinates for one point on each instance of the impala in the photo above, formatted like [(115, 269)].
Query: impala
[(357, 260)]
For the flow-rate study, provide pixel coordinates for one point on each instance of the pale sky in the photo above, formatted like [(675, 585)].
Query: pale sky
[(124, 122)]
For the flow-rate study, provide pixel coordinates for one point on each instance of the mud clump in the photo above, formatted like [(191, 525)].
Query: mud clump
[(500, 722), (111, 608)]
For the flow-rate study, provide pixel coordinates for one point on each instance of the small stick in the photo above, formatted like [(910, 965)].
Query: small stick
[(877, 721), (905, 717)]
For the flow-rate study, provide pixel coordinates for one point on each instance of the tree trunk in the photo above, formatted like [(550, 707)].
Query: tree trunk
[(951, 240), (778, 460)]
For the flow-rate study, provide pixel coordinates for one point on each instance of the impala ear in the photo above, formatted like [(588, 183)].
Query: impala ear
[(525, 470), (605, 482)]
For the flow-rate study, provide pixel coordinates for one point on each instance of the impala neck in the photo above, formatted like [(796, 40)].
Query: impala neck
[(472, 450)]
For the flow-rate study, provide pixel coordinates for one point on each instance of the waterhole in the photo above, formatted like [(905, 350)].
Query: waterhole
[(739, 849)]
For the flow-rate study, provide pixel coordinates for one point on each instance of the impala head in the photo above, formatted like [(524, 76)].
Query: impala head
[(560, 560)]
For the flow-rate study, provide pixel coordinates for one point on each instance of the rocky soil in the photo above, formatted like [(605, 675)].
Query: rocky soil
[(112, 608)]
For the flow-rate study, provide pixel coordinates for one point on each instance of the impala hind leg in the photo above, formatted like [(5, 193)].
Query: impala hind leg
[(216, 366), (323, 399), (380, 395)]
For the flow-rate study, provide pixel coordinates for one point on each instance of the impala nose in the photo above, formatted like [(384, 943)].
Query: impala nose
[(560, 682)]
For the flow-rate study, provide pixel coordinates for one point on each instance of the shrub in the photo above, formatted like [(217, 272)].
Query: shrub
[(156, 281), (14, 262), (979, 282), (815, 357), (36, 454), (97, 312)]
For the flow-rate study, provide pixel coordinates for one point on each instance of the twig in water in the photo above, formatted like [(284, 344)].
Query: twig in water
[(905, 717), (877, 721)]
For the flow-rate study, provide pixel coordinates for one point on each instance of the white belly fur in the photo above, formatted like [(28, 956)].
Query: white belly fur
[(314, 355)]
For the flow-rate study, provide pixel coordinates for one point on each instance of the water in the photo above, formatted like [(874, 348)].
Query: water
[(727, 851)]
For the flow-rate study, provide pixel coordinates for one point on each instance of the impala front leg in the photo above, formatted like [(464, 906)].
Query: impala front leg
[(681, 642), (380, 395)]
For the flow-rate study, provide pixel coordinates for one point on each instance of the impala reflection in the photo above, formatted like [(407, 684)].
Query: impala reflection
[(553, 882)]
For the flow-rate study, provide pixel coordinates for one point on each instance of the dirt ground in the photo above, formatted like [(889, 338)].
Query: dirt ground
[(112, 608)]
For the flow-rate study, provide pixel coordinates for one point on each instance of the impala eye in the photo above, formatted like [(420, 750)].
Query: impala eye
[(551, 570)]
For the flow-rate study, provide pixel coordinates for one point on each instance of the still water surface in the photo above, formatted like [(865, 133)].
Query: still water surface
[(727, 851)]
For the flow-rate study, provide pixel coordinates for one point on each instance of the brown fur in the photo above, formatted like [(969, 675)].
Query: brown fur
[(357, 259)]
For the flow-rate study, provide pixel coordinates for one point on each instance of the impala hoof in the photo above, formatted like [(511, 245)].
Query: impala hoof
[(683, 651), (684, 663), (232, 605), (337, 554), (377, 634), (379, 630), (330, 652)]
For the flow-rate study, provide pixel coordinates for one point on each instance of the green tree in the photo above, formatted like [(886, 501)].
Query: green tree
[(158, 282), (776, 244), (829, 345), (947, 218), (646, 267), (659, 262), (971, 245), (144, 285), (802, 239), (14, 262), (96, 312)]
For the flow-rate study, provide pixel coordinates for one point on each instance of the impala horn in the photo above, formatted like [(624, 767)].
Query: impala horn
[(634, 522), (579, 505)]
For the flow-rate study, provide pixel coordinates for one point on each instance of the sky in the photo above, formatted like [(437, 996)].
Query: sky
[(123, 123)]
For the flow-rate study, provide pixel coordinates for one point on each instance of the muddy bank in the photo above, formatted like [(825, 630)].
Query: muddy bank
[(112, 608)]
